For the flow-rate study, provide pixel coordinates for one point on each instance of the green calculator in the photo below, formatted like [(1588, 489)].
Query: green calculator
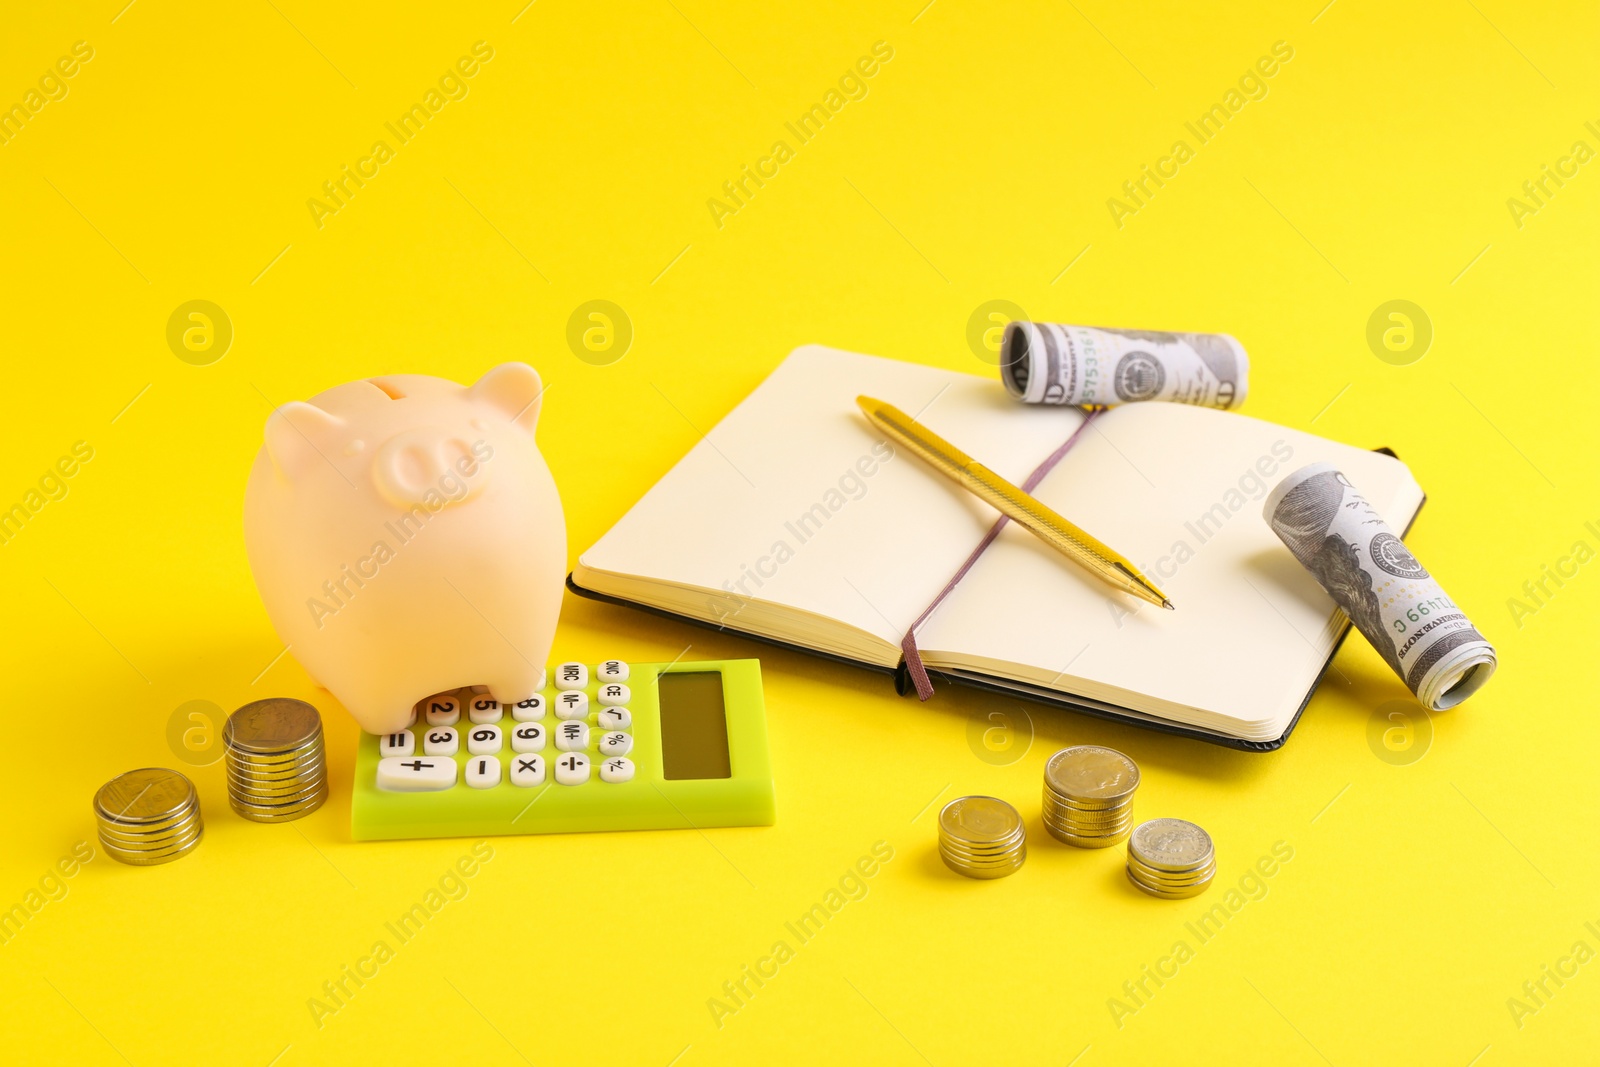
[(605, 746)]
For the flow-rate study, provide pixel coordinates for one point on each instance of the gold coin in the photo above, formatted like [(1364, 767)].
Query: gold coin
[(1170, 844), (1170, 879), (1091, 773), (126, 833), (979, 820), (277, 724), (1170, 894), (259, 814), (996, 871), (147, 795), (153, 857)]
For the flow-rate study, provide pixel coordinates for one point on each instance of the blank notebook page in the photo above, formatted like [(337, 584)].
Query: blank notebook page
[(1178, 490), (882, 545)]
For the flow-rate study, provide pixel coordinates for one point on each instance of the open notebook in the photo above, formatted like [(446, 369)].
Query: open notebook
[(794, 521)]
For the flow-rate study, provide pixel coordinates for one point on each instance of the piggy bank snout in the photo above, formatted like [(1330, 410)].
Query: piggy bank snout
[(427, 465)]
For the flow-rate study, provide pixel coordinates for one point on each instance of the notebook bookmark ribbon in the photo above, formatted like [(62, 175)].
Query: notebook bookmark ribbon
[(908, 644)]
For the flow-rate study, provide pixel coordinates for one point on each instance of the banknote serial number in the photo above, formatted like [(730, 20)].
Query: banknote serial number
[(1422, 609)]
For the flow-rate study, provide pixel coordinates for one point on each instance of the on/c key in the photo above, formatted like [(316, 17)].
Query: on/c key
[(415, 774)]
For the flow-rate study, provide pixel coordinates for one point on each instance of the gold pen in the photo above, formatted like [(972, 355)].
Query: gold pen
[(1010, 500)]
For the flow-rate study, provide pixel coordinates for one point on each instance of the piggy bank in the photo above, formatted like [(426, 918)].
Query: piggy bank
[(407, 538)]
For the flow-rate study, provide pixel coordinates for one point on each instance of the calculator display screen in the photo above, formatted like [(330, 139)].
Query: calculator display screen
[(694, 725)]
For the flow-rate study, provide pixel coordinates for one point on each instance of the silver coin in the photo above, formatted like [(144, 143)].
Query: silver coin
[(310, 773), (979, 820), (153, 844), (151, 826), (1170, 844), (280, 795), (997, 871), (277, 724), (150, 794), (1081, 841), (134, 832), (258, 814), (1171, 879), (1079, 818), (311, 754), (1091, 773), (153, 857), (278, 813), (156, 849), (1009, 846), (1170, 894)]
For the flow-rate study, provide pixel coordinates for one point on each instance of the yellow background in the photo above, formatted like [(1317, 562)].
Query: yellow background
[(1420, 896)]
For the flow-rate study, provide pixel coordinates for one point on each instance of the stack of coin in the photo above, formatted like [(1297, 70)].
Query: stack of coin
[(1088, 795), (981, 837), (1170, 858), (276, 768), (148, 816)]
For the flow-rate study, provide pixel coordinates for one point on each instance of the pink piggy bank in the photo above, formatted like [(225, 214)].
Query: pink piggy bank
[(407, 539)]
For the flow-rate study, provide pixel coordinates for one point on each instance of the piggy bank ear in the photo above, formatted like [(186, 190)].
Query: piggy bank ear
[(513, 389), (300, 435)]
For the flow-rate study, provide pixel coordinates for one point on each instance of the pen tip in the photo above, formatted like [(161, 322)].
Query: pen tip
[(1168, 605)]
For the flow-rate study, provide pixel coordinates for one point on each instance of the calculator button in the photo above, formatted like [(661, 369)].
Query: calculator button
[(482, 772), (442, 710), (484, 708), (614, 719), (613, 694), (400, 774), (441, 741), (616, 744), (527, 770), (483, 740), (572, 704), (572, 736), (612, 670), (529, 710), (616, 769), (572, 676), (528, 737), (572, 769), (400, 744)]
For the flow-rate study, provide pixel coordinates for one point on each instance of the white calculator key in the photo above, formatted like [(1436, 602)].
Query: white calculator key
[(441, 741), (572, 736), (529, 710), (483, 708), (442, 710), (527, 770), (572, 676), (613, 694), (572, 769), (414, 774), (614, 719), (616, 743), (612, 670), (528, 737), (483, 740), (572, 704), (616, 769), (482, 772), (400, 744)]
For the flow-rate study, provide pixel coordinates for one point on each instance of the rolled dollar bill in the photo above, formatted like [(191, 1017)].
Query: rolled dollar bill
[(1391, 598), (1046, 363)]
